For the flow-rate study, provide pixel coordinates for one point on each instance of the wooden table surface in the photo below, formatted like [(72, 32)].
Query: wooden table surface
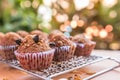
[(9, 73)]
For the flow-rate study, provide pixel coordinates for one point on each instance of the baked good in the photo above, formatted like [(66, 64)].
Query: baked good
[(40, 33), (84, 46), (22, 33), (1, 43), (64, 48), (9, 45), (53, 33), (34, 53)]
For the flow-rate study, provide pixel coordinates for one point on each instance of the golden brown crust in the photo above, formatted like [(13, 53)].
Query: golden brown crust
[(61, 40), (54, 33), (1, 38), (40, 33), (80, 38), (22, 33), (1, 34), (28, 45), (10, 37)]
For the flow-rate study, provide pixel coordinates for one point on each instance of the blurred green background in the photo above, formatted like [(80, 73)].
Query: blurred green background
[(99, 20)]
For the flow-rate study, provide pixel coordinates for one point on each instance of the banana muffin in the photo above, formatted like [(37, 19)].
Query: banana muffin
[(34, 53), (64, 48)]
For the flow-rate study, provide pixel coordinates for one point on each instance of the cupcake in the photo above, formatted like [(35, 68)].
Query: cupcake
[(9, 45), (40, 33), (1, 43), (34, 53), (84, 46), (64, 48), (22, 33)]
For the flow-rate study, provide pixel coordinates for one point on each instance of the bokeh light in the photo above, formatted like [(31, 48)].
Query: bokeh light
[(80, 4), (80, 23), (47, 2), (64, 4), (54, 12), (89, 30), (113, 14), (103, 33), (97, 19), (109, 28), (115, 46), (61, 17), (45, 13), (63, 27), (75, 17), (27, 3), (95, 32), (91, 5), (35, 3), (73, 24), (109, 3)]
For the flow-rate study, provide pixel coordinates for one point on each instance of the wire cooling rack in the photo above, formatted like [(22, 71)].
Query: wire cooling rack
[(58, 68)]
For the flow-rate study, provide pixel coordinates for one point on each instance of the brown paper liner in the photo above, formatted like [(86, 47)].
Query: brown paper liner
[(7, 52), (1, 51), (64, 53), (84, 49), (35, 61)]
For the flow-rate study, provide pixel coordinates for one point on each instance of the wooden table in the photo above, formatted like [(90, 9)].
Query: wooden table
[(7, 72)]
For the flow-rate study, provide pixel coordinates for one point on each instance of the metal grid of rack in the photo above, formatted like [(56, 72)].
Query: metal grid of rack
[(58, 68)]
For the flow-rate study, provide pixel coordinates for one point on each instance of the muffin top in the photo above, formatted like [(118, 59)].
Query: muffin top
[(32, 44), (80, 38), (54, 33), (40, 33), (10, 37), (61, 40), (1, 37), (22, 33)]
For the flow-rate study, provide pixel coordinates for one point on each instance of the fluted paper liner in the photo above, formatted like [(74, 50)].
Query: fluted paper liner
[(84, 49), (7, 52), (35, 61), (64, 53)]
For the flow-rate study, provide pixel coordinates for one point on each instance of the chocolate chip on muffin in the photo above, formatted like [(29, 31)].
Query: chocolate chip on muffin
[(64, 47), (40, 34), (9, 45), (34, 53), (32, 43)]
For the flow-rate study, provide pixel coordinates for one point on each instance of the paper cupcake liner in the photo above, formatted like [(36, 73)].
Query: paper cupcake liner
[(64, 53), (7, 52), (1, 51), (84, 49), (35, 61)]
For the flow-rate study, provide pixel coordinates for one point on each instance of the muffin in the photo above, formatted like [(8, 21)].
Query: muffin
[(34, 53), (22, 33), (64, 48), (40, 33), (1, 43), (9, 45), (53, 33), (84, 46)]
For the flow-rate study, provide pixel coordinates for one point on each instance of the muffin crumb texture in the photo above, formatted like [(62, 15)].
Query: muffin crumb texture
[(80, 38), (61, 40), (28, 45), (22, 33), (10, 37)]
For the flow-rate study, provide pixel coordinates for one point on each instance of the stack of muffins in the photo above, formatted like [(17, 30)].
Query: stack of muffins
[(36, 50)]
